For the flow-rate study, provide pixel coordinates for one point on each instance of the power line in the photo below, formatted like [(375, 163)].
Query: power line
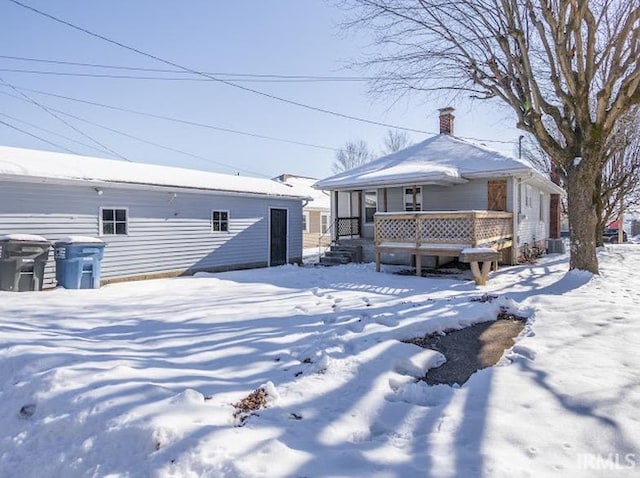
[(137, 138), (177, 120), (229, 83), (13, 118), (155, 78), (214, 78), (37, 137), (259, 76), (40, 105), (168, 148)]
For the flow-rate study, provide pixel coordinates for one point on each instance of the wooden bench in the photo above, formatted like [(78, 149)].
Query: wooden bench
[(489, 258)]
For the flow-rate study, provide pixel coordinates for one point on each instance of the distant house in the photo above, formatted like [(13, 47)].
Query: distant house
[(316, 222), (439, 197), (156, 220)]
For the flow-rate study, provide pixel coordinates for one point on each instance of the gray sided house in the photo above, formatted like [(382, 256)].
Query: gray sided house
[(157, 221), (440, 197)]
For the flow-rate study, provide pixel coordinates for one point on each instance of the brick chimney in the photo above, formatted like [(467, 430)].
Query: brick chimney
[(446, 120)]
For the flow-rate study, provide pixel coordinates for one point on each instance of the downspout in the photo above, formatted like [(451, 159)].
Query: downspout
[(516, 220)]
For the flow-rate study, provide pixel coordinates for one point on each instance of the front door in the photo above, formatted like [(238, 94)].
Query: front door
[(497, 199), (278, 239)]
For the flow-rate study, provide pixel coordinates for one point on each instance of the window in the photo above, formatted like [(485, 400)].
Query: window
[(408, 199), (528, 197), (541, 216), (220, 221), (305, 221), (113, 221), (370, 205), (324, 223)]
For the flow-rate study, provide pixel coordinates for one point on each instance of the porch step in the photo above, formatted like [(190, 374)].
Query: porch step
[(341, 254)]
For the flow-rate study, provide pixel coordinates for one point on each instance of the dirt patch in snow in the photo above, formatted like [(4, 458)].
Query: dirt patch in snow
[(250, 404), (470, 349)]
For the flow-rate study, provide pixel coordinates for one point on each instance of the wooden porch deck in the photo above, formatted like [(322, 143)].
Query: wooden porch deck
[(444, 233)]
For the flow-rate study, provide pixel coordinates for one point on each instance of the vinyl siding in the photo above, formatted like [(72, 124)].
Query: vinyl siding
[(531, 227), (472, 195), (168, 230)]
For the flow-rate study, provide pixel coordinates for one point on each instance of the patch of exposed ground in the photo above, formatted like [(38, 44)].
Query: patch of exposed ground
[(250, 404), (470, 349)]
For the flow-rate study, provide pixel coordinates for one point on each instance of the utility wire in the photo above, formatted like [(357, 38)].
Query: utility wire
[(214, 78), (17, 120), (137, 138), (258, 76), (177, 120), (160, 78), (37, 137), (232, 84), (168, 148), (77, 130)]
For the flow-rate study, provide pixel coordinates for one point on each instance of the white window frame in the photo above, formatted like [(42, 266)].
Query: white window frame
[(364, 204), (408, 198), (228, 220), (327, 217), (114, 222), (305, 221), (528, 196)]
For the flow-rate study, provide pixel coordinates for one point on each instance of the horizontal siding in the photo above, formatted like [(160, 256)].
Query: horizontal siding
[(531, 227), (470, 195), (166, 231), (461, 197)]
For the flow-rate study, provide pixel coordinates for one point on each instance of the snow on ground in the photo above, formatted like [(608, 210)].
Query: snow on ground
[(139, 379)]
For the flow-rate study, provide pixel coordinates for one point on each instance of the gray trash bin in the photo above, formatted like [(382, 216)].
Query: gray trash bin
[(22, 261)]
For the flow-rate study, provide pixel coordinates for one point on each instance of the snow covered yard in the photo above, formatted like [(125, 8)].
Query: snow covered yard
[(138, 379)]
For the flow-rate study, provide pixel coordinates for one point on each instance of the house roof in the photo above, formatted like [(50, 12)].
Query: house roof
[(60, 167), (318, 199), (441, 160)]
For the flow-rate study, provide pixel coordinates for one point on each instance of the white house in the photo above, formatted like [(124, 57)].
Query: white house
[(156, 220), (443, 195)]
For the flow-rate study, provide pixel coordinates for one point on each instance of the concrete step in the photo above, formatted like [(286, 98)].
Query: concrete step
[(334, 260), (341, 253)]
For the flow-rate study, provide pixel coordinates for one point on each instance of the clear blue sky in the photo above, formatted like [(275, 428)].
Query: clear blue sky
[(284, 37)]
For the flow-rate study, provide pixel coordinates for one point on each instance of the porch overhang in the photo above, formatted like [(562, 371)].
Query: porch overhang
[(442, 179)]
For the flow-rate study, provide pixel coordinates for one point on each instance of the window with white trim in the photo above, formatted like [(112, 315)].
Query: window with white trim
[(370, 205), (408, 199), (113, 221), (324, 223), (220, 221), (305, 221)]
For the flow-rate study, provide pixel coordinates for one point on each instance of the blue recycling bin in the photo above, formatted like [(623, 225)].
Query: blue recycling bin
[(78, 262)]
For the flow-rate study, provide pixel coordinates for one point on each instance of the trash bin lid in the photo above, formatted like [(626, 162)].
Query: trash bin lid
[(22, 238), (78, 240)]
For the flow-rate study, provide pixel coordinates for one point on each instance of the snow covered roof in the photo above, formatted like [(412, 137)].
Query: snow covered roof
[(28, 163), (318, 199), (441, 160)]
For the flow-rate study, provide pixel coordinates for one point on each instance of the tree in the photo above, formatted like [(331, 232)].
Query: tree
[(620, 179), (353, 154), (395, 141), (568, 69)]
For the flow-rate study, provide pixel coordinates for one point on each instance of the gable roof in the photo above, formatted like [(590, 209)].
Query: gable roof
[(439, 160), (28, 164), (318, 199)]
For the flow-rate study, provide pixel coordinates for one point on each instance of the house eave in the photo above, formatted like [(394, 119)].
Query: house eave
[(140, 185), (399, 182)]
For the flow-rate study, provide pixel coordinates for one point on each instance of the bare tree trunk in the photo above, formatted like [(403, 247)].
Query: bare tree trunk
[(583, 197)]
